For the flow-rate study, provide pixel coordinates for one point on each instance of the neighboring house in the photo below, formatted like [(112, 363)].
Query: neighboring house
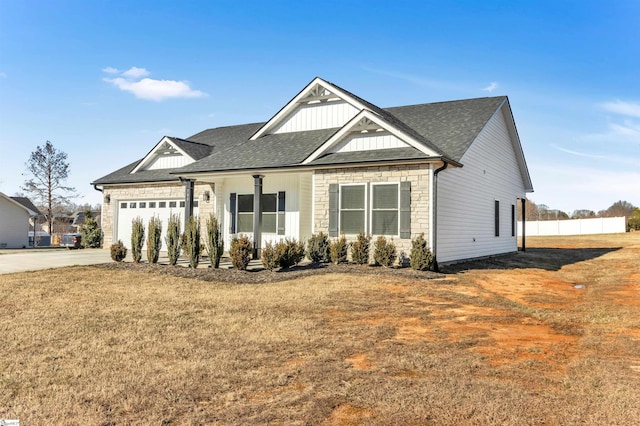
[(330, 161), (15, 213)]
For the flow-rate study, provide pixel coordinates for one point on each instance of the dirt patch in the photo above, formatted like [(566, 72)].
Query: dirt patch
[(360, 362), (348, 415)]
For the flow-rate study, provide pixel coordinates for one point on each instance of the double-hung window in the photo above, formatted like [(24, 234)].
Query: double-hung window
[(384, 209), (352, 208), (273, 216)]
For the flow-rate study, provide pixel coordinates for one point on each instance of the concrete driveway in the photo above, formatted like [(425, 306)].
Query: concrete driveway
[(35, 259)]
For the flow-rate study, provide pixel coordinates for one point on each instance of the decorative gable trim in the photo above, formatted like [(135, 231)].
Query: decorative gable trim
[(162, 148), (316, 92), (367, 121)]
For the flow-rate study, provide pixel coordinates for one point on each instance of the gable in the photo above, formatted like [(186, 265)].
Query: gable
[(167, 154), (367, 132), (320, 105)]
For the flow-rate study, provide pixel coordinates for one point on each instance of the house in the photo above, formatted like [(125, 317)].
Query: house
[(330, 161), (15, 213)]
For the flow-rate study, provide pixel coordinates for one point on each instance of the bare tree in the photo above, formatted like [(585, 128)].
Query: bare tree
[(47, 170), (617, 209)]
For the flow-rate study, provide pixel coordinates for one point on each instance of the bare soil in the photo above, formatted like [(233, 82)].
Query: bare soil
[(546, 336)]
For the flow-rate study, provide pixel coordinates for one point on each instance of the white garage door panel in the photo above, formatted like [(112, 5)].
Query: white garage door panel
[(128, 210)]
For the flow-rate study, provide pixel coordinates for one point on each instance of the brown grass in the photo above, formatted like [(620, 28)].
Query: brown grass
[(507, 340)]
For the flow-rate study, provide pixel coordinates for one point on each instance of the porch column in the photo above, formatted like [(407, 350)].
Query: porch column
[(257, 215), (188, 199), (524, 223)]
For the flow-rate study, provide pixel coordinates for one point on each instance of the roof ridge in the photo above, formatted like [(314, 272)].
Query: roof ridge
[(446, 102)]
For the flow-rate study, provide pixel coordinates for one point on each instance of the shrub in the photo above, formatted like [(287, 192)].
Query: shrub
[(173, 238), (421, 257), (154, 239), (319, 248), (270, 257), (214, 243), (192, 241), (137, 239), (289, 252), (339, 249), (384, 252), (360, 249), (118, 251), (90, 232), (240, 252)]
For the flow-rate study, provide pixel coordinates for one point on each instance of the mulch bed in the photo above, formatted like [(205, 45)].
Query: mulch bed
[(260, 275)]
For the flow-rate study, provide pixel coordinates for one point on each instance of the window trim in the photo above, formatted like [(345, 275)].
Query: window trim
[(397, 209), (365, 226), (275, 213)]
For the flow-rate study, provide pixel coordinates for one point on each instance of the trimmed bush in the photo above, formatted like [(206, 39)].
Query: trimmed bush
[(339, 250), (421, 257), (240, 252), (269, 257), (319, 248), (384, 252), (154, 239), (90, 232), (118, 251), (173, 238), (214, 242), (360, 249), (192, 241), (289, 252), (137, 239)]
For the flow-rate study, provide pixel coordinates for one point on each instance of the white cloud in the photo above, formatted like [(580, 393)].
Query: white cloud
[(110, 70), (579, 154), (623, 108), (149, 88), (491, 87), (134, 73)]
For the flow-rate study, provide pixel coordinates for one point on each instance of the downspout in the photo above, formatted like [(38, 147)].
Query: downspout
[(95, 186), (435, 214)]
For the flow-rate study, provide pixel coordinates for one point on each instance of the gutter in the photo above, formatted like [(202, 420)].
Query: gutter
[(95, 186), (435, 214)]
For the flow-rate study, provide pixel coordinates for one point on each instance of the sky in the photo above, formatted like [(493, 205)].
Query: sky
[(105, 80)]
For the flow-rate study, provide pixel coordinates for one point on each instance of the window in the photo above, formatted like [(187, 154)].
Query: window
[(352, 211), (195, 203), (123, 205), (384, 209), (172, 204), (273, 213), (245, 213), (182, 204), (132, 205), (142, 205), (162, 204), (513, 220), (497, 217), (152, 204)]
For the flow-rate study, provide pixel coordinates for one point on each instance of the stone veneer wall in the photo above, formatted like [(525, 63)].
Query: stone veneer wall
[(150, 191), (417, 174)]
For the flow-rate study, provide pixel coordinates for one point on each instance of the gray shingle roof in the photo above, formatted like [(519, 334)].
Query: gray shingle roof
[(27, 203), (196, 150), (448, 128), (392, 154), (451, 126)]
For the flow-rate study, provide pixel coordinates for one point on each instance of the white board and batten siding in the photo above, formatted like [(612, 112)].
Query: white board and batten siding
[(297, 188), (467, 195), (368, 142), (169, 162), (326, 115)]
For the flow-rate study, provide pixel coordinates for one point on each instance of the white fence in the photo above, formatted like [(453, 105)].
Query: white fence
[(600, 225)]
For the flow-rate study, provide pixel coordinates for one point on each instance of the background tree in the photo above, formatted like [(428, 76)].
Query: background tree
[(618, 209), (48, 170), (583, 214)]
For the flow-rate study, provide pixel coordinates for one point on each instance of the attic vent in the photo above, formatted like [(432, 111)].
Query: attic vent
[(366, 126), (167, 149), (318, 95)]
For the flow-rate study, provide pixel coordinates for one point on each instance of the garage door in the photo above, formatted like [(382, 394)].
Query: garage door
[(128, 210)]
